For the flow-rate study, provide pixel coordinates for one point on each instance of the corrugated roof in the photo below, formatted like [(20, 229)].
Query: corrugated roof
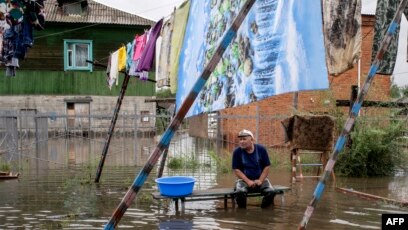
[(94, 13)]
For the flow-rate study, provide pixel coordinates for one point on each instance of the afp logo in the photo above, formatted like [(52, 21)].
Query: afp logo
[(394, 221)]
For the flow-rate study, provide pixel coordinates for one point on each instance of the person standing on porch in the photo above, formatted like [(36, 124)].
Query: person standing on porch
[(250, 163)]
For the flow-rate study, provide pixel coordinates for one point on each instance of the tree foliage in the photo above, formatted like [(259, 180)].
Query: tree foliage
[(374, 151)]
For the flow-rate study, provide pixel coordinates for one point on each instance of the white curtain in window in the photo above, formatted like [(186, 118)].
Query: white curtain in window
[(81, 54)]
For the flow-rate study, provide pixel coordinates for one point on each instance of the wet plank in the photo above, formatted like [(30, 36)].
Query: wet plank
[(371, 196), (8, 175), (214, 194)]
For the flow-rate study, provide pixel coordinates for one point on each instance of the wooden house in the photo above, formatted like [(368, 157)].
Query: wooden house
[(55, 77)]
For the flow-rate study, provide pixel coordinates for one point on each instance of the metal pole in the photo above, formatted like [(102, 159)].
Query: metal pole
[(135, 133), (257, 123), (178, 118), (112, 127), (219, 136), (295, 103), (352, 117)]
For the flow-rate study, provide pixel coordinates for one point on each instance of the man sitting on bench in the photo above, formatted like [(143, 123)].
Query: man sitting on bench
[(250, 163)]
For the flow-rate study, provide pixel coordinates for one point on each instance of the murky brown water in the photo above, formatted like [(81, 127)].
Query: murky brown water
[(53, 192)]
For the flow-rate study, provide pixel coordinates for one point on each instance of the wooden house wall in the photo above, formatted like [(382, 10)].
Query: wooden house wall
[(41, 82), (42, 72), (47, 52)]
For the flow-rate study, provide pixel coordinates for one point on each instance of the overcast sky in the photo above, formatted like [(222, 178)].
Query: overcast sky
[(156, 9), (151, 9)]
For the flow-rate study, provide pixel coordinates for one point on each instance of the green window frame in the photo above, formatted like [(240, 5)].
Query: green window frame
[(76, 52)]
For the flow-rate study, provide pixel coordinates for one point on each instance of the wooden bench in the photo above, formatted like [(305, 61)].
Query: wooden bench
[(215, 194)]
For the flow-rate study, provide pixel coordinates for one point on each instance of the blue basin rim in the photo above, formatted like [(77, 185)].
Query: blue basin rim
[(175, 180)]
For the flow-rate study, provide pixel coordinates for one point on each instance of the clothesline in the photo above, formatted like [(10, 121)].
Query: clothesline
[(95, 63), (136, 57)]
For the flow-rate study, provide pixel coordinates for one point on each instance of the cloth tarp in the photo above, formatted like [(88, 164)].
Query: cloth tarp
[(342, 34)]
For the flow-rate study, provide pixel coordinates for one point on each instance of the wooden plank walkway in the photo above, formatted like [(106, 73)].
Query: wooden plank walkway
[(372, 197), (8, 175), (214, 194)]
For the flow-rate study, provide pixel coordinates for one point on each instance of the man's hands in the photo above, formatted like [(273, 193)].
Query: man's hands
[(254, 183), (251, 183), (258, 182)]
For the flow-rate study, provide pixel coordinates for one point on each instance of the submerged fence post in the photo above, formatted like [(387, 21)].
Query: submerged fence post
[(162, 163), (178, 118), (352, 117), (295, 102), (257, 123), (219, 137), (163, 160), (112, 127)]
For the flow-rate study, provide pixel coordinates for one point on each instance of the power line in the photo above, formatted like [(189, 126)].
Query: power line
[(66, 31), (96, 24)]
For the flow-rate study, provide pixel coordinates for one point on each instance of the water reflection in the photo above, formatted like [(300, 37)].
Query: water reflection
[(176, 224), (56, 191)]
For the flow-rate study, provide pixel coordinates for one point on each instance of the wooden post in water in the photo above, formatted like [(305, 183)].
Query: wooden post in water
[(112, 127), (162, 163), (342, 139), (164, 143)]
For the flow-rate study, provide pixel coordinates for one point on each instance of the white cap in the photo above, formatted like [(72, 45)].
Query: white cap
[(245, 133)]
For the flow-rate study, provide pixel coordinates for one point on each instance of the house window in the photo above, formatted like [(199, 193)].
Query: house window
[(76, 52), (145, 116)]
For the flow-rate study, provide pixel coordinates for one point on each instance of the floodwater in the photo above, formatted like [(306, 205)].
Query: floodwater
[(56, 191)]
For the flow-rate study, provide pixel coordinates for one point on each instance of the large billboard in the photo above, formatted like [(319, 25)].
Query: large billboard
[(278, 49)]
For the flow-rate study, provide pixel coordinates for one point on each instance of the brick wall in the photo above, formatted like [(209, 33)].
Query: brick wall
[(315, 102)]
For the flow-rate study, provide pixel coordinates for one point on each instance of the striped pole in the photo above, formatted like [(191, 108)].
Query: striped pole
[(112, 127), (178, 118), (352, 117)]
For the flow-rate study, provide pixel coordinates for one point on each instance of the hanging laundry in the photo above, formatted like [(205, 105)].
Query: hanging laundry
[(13, 43), (163, 48), (342, 34), (36, 14), (133, 68), (27, 35), (114, 70), (140, 44), (180, 23), (108, 69), (146, 60), (15, 14), (385, 8), (3, 27), (17, 19), (11, 67), (3, 9), (129, 55), (157, 60), (121, 58)]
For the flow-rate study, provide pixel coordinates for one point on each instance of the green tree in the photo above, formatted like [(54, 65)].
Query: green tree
[(395, 91), (373, 152)]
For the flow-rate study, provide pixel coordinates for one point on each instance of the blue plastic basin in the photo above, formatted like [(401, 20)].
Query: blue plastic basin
[(175, 185)]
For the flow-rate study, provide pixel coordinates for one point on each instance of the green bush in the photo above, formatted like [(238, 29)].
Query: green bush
[(224, 161), (5, 167), (175, 163), (165, 93), (374, 151), (179, 162)]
